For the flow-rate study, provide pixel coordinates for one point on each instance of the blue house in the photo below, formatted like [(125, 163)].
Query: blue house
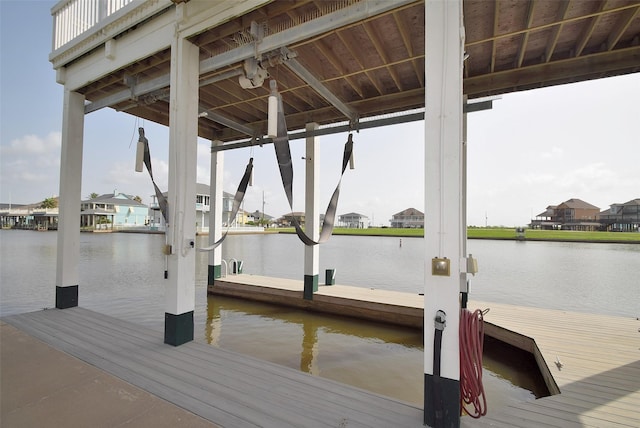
[(113, 210)]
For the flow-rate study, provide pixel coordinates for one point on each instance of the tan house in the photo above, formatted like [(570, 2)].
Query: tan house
[(573, 214), (287, 219), (409, 218)]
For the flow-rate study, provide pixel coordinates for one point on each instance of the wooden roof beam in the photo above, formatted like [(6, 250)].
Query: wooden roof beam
[(555, 32), (588, 31), (525, 37), (555, 72), (406, 39), (623, 24), (553, 24), (383, 54), (321, 89), (354, 55), (496, 6), (337, 64)]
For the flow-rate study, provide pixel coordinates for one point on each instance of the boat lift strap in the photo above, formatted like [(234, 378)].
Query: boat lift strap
[(162, 201), (237, 201), (283, 155)]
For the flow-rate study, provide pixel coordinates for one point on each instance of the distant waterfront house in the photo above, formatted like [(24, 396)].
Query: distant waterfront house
[(113, 210), (573, 214), (545, 220), (622, 217), (409, 218), (31, 216), (202, 207), (261, 218), (14, 215), (287, 219), (353, 221)]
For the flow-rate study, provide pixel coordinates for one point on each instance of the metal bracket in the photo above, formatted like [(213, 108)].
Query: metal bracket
[(441, 320)]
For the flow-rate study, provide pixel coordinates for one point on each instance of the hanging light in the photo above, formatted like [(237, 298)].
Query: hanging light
[(272, 114)]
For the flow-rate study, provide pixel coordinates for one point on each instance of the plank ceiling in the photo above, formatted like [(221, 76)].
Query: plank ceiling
[(375, 66)]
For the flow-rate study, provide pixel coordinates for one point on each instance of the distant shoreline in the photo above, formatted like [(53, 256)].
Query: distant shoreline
[(496, 234), (499, 234)]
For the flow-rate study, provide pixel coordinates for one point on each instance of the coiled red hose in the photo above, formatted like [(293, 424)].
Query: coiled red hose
[(472, 397)]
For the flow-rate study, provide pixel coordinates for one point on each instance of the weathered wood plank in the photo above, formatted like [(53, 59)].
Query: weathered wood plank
[(224, 387), (599, 380)]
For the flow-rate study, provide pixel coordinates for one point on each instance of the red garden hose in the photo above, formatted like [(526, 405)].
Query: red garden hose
[(472, 397)]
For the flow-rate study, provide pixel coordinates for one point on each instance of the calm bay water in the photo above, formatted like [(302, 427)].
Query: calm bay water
[(584, 277), (122, 275)]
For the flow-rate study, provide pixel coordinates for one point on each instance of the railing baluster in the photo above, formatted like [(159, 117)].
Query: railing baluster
[(79, 16)]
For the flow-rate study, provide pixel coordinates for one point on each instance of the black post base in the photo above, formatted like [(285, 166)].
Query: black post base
[(213, 272), (441, 402), (66, 297), (178, 329), (310, 286)]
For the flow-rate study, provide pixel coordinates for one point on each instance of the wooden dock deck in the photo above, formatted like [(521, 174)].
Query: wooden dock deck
[(598, 382), (226, 388)]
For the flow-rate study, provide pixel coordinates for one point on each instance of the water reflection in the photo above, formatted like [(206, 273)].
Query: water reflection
[(377, 357), (381, 358)]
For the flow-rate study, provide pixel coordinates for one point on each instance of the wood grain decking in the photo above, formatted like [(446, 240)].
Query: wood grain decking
[(597, 385), (598, 379), (229, 389)]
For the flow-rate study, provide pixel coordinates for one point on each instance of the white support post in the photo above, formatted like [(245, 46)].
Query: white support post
[(68, 256), (311, 214), (181, 230), (215, 213), (444, 222)]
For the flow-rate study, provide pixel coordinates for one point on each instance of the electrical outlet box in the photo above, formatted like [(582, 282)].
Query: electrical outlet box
[(440, 266), (472, 265)]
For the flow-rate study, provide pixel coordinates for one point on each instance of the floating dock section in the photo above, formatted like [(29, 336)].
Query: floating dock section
[(590, 363)]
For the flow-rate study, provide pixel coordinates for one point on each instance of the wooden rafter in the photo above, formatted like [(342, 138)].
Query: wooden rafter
[(496, 13), (494, 37), (561, 71), (622, 26), (588, 31), (373, 36), (406, 39), (355, 56), (337, 64), (525, 37), (555, 32)]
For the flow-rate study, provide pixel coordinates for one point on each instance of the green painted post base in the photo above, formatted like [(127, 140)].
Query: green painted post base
[(66, 297), (214, 272), (178, 329), (441, 401), (310, 286)]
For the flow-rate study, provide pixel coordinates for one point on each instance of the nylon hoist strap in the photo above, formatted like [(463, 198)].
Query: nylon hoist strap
[(438, 406), (237, 200), (162, 201), (283, 155)]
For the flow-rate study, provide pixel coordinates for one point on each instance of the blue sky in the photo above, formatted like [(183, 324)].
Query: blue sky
[(533, 149)]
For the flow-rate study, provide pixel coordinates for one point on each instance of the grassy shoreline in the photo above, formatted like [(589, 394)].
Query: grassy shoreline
[(499, 234)]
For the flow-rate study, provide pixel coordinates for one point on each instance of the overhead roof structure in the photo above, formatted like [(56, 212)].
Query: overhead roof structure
[(334, 62), (343, 61)]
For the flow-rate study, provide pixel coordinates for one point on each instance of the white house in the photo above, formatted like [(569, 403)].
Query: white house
[(354, 221)]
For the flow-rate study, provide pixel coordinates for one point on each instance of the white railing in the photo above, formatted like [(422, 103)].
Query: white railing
[(72, 18)]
